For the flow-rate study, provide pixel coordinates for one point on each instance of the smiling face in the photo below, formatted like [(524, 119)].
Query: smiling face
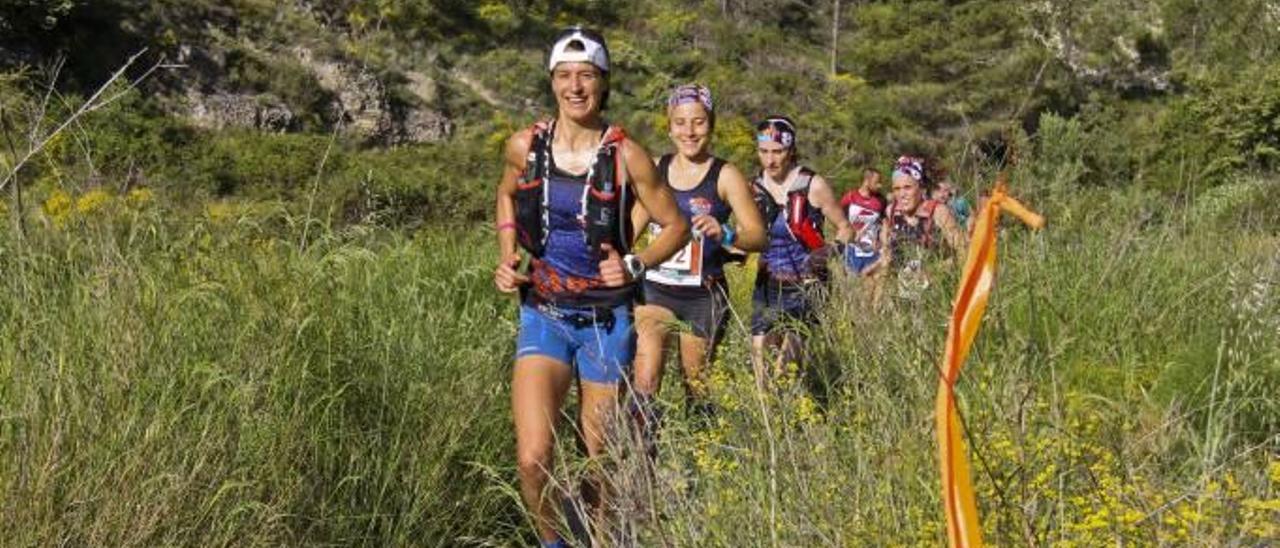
[(689, 125), (775, 159), (907, 193), (579, 90)]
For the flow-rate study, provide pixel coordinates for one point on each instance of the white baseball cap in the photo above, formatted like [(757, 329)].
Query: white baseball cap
[(577, 45)]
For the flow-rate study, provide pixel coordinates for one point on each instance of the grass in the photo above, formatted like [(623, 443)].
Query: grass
[(211, 379)]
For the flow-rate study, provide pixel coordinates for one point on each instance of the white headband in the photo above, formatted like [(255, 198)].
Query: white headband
[(591, 52)]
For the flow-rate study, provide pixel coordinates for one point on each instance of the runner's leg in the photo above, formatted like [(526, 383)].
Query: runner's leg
[(538, 388), (599, 406), (652, 327), (695, 363)]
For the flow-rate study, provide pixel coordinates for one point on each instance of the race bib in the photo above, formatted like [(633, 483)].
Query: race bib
[(682, 269), (867, 224)]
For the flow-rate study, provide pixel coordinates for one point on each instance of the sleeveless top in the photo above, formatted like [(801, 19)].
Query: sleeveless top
[(912, 244), (786, 259), (864, 213), (569, 271), (700, 262)]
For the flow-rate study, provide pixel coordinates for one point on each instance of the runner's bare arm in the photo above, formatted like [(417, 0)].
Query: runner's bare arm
[(658, 202), (506, 277), (734, 189), (639, 219), (823, 197)]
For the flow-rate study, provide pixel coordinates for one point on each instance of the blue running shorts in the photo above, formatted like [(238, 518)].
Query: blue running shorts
[(781, 306), (858, 263), (598, 343)]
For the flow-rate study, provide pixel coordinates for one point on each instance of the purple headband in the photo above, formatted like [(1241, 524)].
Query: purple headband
[(691, 93), (909, 166)]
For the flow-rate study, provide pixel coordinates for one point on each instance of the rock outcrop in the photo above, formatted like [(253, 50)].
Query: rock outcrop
[(221, 110), (360, 104), (365, 108)]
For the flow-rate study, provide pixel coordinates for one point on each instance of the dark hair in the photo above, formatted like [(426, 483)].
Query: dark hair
[(774, 120), (577, 46), (869, 171)]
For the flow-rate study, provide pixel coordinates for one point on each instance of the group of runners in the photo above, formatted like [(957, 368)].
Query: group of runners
[(596, 313)]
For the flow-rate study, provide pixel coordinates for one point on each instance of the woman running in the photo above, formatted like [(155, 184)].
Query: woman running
[(794, 202), (690, 287), (564, 197), (915, 228)]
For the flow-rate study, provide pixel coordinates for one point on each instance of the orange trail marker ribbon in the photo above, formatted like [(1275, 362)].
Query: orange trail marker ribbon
[(963, 529)]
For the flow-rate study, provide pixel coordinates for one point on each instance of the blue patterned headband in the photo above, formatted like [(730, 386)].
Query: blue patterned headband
[(776, 130)]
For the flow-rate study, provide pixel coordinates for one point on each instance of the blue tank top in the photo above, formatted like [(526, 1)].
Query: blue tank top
[(700, 262), (786, 259), (569, 271)]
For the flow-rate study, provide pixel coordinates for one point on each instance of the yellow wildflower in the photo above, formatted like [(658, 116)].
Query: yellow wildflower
[(92, 201), (220, 211), (57, 206), (139, 197)]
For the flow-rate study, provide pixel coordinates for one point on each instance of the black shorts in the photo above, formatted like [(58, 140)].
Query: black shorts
[(782, 306), (705, 309)]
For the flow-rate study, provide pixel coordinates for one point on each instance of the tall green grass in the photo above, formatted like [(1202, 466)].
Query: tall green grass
[(214, 383), (231, 378)]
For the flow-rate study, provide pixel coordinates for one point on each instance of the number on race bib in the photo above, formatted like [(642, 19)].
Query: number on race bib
[(682, 269)]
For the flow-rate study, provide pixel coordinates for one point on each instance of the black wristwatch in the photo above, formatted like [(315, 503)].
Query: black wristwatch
[(635, 267)]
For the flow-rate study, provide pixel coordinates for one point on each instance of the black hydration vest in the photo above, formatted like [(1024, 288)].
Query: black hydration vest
[(804, 222), (604, 206)]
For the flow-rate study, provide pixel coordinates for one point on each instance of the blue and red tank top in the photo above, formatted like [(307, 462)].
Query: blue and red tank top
[(700, 262), (786, 259), (568, 273)]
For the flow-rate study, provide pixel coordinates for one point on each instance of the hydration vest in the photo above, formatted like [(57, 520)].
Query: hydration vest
[(922, 232), (800, 222), (604, 202)]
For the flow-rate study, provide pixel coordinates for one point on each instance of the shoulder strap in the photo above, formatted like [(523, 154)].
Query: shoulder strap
[(532, 192), (926, 209), (606, 199), (613, 136), (538, 153), (926, 220), (764, 200), (803, 226), (801, 184), (664, 167), (713, 175)]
